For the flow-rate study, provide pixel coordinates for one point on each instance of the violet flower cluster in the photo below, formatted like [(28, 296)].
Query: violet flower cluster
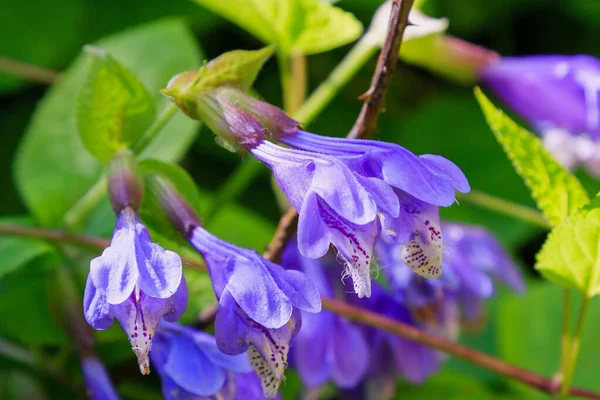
[(368, 360), (191, 366), (558, 96), (348, 193), (260, 303)]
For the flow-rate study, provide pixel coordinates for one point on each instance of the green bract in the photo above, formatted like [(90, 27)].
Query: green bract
[(113, 107), (558, 193)]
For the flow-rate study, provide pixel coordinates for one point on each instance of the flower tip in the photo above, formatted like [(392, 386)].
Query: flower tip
[(143, 362)]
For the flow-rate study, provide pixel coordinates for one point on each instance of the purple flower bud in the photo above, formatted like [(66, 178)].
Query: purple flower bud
[(97, 382), (137, 282), (178, 210), (259, 305), (558, 96), (125, 186), (191, 366)]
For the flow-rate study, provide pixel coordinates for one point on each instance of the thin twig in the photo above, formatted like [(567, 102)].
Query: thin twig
[(497, 365), (28, 71), (354, 313), (366, 124)]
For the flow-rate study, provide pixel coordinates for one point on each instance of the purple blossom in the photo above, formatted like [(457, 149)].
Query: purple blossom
[(392, 355), (137, 282), (259, 305), (192, 367), (335, 206), (558, 96), (328, 347), (421, 184), (97, 382), (472, 259)]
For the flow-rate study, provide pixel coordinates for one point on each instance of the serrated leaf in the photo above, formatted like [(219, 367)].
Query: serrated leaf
[(571, 255), (53, 170), (113, 107), (558, 193), (295, 26)]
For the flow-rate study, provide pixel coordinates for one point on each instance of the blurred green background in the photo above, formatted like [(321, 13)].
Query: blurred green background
[(423, 113)]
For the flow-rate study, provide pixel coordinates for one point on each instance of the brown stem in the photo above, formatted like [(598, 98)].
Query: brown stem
[(499, 366), (366, 124), (354, 313), (28, 71)]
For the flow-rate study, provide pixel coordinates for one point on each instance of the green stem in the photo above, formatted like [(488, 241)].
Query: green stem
[(566, 334), (75, 217), (287, 81), (574, 349), (506, 207), (362, 51), (155, 128)]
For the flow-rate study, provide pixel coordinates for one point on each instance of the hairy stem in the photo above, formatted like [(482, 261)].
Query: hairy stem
[(154, 129), (565, 343)]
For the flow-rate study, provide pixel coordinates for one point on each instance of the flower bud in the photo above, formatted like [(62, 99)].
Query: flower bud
[(179, 211), (125, 186)]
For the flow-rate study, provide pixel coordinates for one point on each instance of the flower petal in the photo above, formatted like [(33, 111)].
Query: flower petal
[(313, 234), (255, 291), (191, 369), (95, 307), (351, 353), (208, 345), (230, 331), (311, 348)]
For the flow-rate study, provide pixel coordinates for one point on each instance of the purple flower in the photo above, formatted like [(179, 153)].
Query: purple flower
[(420, 183), (558, 96), (335, 206), (391, 354), (137, 282), (259, 305), (97, 382), (472, 259), (328, 347), (192, 367)]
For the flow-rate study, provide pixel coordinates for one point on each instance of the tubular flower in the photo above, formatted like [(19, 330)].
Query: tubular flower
[(558, 96), (259, 305), (351, 191), (259, 302), (134, 280), (97, 382), (328, 347), (473, 258), (192, 367)]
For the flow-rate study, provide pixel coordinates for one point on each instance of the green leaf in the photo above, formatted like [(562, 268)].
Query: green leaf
[(557, 192), (571, 255), (53, 169), (113, 108), (25, 305), (295, 26), (16, 252), (529, 332)]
